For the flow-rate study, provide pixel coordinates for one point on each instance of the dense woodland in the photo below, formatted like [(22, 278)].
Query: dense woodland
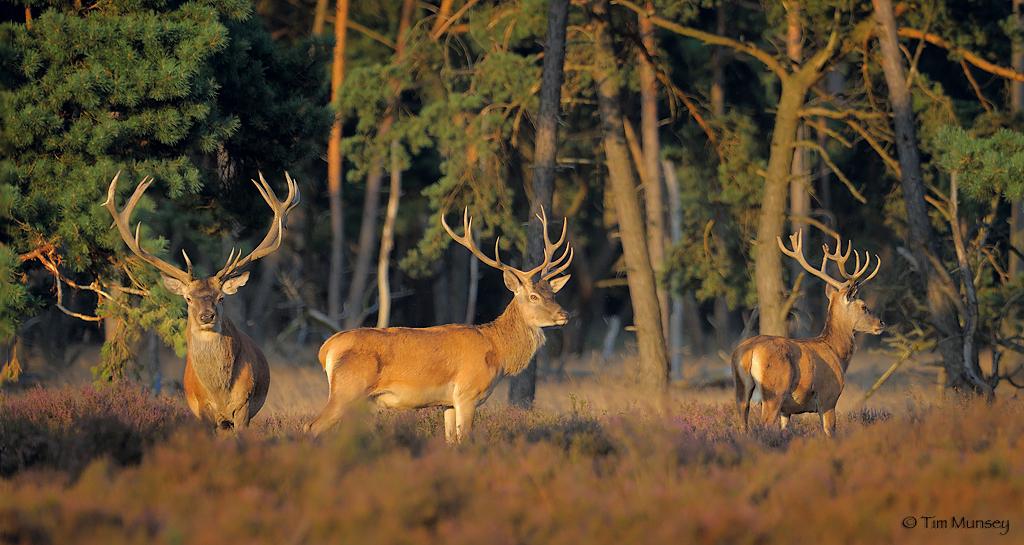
[(678, 138)]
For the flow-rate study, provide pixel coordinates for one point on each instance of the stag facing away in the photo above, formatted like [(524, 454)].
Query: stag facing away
[(226, 375), (451, 366), (807, 375)]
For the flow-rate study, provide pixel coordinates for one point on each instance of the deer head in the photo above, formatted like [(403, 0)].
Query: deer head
[(204, 296), (843, 295), (535, 300)]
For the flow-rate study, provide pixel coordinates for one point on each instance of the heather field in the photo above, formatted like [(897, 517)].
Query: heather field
[(594, 464)]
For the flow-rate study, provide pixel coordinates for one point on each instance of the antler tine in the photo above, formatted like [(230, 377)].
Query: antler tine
[(560, 268), (122, 219), (878, 264), (466, 241), (857, 281), (275, 235), (549, 247), (796, 240), (293, 191), (188, 262)]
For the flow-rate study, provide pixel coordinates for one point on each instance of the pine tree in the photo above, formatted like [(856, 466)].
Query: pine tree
[(187, 92)]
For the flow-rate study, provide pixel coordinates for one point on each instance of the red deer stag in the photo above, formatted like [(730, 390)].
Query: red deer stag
[(452, 366), (807, 375), (226, 375)]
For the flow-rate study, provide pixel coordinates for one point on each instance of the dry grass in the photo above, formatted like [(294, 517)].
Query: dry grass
[(602, 465)]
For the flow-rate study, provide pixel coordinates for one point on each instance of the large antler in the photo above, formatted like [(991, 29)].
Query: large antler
[(272, 241), (122, 219), (466, 240), (562, 262), (852, 281), (548, 269)]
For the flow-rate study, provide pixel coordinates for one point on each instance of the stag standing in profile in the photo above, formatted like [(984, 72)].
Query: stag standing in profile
[(451, 366), (226, 375), (807, 375)]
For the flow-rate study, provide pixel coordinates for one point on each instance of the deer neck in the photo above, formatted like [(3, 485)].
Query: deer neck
[(515, 340), (212, 354), (838, 335)]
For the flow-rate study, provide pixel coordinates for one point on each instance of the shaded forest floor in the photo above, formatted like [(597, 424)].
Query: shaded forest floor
[(596, 462)]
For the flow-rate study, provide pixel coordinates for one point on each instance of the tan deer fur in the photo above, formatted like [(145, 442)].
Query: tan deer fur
[(226, 375), (797, 376), (451, 366)]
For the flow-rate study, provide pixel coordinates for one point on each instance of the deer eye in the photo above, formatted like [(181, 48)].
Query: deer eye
[(188, 299), (220, 298), (534, 297)]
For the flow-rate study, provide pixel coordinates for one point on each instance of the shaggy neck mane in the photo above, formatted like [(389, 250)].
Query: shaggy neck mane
[(515, 341), (212, 354), (838, 334)]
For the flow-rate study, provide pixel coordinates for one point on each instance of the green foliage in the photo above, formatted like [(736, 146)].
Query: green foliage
[(186, 92), (13, 296), (992, 165), (719, 205), (474, 101)]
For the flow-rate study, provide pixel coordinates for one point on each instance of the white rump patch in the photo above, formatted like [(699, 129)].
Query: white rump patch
[(329, 366), (757, 373)]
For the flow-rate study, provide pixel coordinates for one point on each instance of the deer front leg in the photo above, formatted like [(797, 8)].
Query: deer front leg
[(449, 425), (464, 410), (240, 417), (828, 422)]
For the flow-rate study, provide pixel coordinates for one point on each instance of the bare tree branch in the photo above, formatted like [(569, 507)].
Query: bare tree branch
[(965, 54)]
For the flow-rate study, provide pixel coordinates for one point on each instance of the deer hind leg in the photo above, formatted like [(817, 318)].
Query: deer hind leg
[(771, 407), (828, 422), (350, 377), (744, 389), (784, 421)]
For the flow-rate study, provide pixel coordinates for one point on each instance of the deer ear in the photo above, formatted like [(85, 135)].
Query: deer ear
[(230, 286), (830, 292), (174, 285), (512, 282), (559, 283)]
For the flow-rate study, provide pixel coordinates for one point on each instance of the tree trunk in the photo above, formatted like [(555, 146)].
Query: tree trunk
[(676, 310), (319, 17), (263, 296), (387, 238), (767, 259), (371, 203), (717, 62), (721, 308), (394, 190), (799, 196), (653, 191), (1017, 107), (474, 286), (523, 386), (923, 238), (367, 236), (653, 365), (334, 164)]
